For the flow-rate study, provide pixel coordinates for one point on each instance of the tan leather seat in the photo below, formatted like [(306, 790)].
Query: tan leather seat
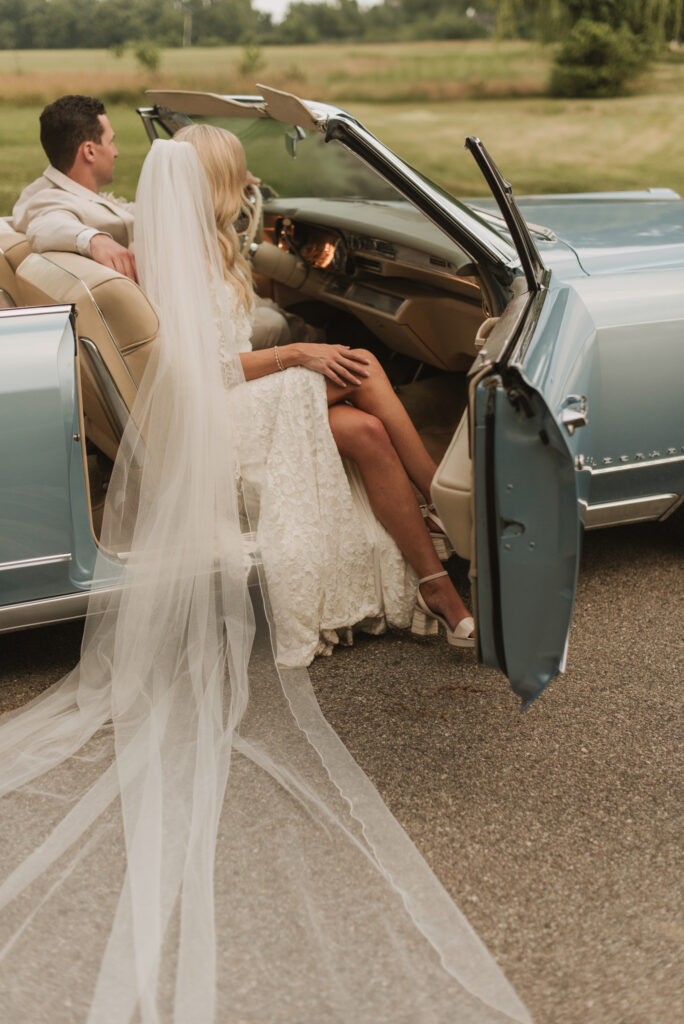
[(13, 249), (116, 328)]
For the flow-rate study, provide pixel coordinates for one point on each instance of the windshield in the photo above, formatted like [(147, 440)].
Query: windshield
[(293, 162)]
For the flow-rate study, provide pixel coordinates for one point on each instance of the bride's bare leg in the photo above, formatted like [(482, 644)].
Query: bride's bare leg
[(375, 395), (364, 438)]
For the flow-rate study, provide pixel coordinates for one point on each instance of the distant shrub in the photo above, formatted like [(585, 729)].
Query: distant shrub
[(117, 50), (252, 60), (295, 73), (596, 60), (147, 54)]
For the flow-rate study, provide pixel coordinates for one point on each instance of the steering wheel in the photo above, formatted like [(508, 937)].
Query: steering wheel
[(256, 224)]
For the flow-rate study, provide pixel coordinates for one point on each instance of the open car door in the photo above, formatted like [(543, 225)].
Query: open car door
[(526, 523)]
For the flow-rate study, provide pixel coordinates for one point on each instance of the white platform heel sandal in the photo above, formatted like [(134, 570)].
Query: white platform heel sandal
[(426, 622), (442, 545)]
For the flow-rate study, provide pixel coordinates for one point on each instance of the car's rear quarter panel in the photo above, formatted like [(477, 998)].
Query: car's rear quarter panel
[(637, 406)]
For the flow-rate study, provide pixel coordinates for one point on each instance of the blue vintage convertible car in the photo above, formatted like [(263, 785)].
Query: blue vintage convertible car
[(538, 346)]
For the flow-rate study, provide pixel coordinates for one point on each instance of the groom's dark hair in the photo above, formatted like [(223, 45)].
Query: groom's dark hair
[(65, 124)]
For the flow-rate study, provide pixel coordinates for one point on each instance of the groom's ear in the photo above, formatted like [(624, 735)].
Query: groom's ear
[(86, 151)]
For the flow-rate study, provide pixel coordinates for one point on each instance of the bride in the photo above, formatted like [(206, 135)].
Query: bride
[(328, 563), (184, 836)]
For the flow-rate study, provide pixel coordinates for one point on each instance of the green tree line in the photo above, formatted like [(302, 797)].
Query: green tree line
[(656, 22), (64, 24), (95, 24)]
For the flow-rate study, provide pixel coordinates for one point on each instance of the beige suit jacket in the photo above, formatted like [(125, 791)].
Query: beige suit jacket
[(53, 211)]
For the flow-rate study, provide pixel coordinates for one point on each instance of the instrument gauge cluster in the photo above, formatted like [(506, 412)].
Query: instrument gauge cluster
[(319, 247)]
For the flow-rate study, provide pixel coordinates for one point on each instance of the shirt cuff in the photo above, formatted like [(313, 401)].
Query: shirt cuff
[(83, 239)]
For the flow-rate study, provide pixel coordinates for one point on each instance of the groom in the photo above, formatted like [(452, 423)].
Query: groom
[(66, 210)]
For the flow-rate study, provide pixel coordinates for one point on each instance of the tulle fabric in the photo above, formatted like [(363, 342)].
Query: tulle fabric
[(184, 837)]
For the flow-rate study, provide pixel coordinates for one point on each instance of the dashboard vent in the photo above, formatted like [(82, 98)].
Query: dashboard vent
[(366, 263), (385, 249), (437, 261)]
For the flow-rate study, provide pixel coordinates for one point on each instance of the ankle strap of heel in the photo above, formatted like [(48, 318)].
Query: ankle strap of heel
[(435, 576)]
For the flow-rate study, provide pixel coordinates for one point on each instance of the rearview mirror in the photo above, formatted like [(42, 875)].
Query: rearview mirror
[(292, 138)]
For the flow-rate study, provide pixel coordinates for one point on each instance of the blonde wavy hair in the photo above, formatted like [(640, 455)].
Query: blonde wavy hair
[(223, 159)]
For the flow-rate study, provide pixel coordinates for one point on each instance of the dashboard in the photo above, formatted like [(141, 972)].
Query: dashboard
[(417, 291)]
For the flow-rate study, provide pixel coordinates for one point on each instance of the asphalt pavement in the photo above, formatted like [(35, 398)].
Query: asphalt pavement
[(558, 831)]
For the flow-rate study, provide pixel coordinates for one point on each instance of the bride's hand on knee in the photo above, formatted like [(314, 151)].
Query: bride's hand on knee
[(339, 363)]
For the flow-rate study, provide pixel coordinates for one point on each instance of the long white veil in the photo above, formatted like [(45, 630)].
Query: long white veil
[(184, 836)]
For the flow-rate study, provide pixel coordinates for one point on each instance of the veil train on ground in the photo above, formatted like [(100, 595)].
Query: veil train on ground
[(185, 837)]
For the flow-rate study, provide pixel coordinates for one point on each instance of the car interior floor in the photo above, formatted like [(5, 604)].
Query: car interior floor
[(435, 405)]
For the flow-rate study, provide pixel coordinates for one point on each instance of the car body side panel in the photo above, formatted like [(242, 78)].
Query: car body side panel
[(624, 353), (637, 439), (46, 547)]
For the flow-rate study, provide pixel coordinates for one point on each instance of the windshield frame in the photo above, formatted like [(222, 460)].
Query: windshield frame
[(486, 245)]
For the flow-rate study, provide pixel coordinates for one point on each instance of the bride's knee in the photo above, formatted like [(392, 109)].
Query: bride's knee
[(372, 365), (359, 435), (375, 373), (370, 437)]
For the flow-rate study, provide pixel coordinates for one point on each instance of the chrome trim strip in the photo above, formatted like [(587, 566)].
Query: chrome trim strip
[(46, 612), (60, 307), (51, 611), (634, 465), (26, 563), (672, 508), (113, 406), (633, 510)]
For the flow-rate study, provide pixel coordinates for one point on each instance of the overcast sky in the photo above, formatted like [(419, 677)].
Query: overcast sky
[(277, 8)]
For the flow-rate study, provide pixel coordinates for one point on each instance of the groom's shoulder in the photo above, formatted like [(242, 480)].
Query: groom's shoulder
[(52, 186), (50, 181), (43, 182)]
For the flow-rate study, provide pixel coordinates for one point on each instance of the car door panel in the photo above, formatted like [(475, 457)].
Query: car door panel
[(524, 413), (526, 534), (44, 548)]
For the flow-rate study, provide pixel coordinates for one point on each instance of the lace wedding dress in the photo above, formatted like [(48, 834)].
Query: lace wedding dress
[(185, 839), (329, 564)]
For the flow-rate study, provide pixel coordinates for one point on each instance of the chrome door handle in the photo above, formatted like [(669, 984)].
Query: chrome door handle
[(574, 413)]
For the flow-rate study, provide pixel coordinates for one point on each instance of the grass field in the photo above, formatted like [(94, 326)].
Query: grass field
[(422, 99)]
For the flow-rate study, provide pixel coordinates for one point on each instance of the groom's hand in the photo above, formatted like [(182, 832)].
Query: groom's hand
[(109, 253)]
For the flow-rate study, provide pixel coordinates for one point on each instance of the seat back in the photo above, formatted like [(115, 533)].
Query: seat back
[(116, 328), (13, 249), (452, 491)]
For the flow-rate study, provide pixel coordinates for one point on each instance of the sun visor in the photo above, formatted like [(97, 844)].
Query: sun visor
[(209, 104), (289, 109)]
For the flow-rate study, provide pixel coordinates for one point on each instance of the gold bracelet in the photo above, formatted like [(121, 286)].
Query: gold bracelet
[(277, 358)]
